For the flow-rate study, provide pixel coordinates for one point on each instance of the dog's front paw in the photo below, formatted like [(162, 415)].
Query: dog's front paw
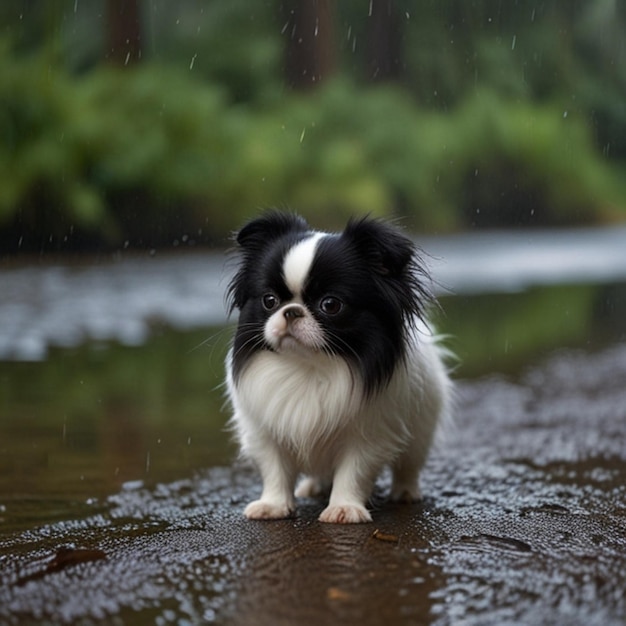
[(263, 509), (345, 514)]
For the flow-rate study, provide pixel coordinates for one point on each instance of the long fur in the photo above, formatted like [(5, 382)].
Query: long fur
[(333, 371)]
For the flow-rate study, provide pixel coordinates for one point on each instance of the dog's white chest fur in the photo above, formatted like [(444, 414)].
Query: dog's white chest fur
[(301, 403)]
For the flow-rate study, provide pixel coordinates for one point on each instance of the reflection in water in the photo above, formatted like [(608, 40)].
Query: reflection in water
[(122, 434), (76, 427)]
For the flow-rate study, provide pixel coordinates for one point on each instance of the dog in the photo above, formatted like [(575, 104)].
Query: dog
[(333, 372)]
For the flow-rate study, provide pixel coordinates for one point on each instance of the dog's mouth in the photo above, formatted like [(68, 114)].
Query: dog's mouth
[(294, 334), (291, 343)]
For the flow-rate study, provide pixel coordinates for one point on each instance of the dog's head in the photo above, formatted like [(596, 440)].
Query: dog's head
[(302, 292)]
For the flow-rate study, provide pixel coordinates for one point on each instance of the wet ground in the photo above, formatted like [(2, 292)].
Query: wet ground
[(524, 522), (120, 503)]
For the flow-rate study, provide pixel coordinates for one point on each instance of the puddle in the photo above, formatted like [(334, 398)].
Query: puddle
[(84, 423)]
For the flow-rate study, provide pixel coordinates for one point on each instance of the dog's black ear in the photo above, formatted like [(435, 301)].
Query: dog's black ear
[(253, 240), (387, 251), (395, 264), (259, 232)]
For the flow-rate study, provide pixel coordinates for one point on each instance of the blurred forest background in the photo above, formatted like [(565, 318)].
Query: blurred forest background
[(133, 123)]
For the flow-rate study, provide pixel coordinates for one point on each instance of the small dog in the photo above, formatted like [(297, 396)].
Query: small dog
[(333, 372)]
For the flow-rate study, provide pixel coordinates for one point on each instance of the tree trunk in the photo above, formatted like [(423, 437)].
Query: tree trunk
[(311, 50), (123, 46), (384, 60)]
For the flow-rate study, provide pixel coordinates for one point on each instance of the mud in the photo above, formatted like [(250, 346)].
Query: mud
[(524, 522)]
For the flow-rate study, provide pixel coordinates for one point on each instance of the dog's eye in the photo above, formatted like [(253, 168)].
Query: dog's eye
[(331, 305), (270, 301)]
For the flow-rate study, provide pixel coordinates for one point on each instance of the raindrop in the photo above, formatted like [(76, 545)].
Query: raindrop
[(564, 114), (193, 60), (513, 42), (371, 8)]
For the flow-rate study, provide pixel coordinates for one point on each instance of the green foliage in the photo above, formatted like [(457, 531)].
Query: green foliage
[(41, 174), (235, 44), (148, 153), (524, 163)]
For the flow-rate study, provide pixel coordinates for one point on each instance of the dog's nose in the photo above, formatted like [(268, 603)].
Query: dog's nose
[(292, 312)]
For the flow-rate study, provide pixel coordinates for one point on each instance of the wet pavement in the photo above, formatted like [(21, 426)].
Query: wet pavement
[(524, 522)]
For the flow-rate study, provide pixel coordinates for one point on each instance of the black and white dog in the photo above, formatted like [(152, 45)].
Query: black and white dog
[(333, 372)]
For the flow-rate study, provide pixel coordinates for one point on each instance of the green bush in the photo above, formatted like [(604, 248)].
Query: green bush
[(42, 181), (146, 155), (523, 163)]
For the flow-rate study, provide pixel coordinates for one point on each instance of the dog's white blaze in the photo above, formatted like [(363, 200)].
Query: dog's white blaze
[(298, 261)]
